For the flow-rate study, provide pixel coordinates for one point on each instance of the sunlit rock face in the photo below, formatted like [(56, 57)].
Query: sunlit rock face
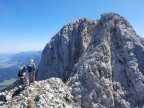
[(50, 93), (65, 48), (101, 61)]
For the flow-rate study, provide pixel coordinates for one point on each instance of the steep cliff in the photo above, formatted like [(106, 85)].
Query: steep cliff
[(65, 48), (100, 60), (88, 64)]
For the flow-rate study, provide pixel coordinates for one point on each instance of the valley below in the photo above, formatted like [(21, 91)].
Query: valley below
[(11, 63)]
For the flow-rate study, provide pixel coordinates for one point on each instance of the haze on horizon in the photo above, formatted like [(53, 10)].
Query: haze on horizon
[(29, 25)]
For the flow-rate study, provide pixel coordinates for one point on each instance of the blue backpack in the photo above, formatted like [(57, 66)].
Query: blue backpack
[(31, 67)]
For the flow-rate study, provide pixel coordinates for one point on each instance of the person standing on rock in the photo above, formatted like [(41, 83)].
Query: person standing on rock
[(22, 74), (31, 70)]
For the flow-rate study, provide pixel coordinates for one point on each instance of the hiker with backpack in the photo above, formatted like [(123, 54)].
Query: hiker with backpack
[(31, 70), (22, 75)]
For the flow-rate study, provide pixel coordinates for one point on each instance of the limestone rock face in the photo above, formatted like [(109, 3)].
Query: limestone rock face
[(51, 93), (102, 62), (63, 51)]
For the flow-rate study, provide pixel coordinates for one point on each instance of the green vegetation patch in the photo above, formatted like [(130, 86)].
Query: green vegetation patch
[(7, 64), (8, 82), (31, 104)]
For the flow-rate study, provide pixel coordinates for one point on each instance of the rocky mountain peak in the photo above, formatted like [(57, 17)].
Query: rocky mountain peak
[(66, 47), (99, 62)]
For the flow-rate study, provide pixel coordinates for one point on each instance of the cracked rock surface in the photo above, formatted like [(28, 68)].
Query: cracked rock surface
[(102, 62), (50, 93)]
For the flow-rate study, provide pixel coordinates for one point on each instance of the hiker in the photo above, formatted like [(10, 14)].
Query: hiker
[(31, 70), (22, 75)]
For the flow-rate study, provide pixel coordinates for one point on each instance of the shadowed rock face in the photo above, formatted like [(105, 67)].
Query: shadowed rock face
[(102, 62)]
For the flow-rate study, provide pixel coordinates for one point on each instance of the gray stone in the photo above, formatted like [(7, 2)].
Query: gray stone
[(2, 98), (39, 95), (100, 60)]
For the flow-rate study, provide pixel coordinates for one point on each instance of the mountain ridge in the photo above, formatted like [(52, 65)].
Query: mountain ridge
[(108, 51), (98, 62)]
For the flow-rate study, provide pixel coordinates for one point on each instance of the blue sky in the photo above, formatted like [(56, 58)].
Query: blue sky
[(27, 25)]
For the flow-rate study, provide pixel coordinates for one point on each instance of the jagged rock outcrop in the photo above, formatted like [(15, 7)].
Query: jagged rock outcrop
[(100, 60), (51, 93), (65, 48), (88, 64)]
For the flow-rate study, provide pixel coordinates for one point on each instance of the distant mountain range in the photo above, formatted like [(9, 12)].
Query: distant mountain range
[(5, 57), (23, 58)]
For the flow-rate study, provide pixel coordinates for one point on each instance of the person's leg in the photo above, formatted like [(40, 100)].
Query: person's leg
[(33, 77), (25, 80), (22, 81), (29, 78)]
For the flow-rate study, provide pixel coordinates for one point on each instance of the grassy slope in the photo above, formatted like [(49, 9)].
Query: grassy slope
[(8, 73), (7, 65), (6, 83)]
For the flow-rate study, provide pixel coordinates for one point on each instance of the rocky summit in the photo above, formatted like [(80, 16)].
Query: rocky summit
[(88, 64), (50, 93)]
